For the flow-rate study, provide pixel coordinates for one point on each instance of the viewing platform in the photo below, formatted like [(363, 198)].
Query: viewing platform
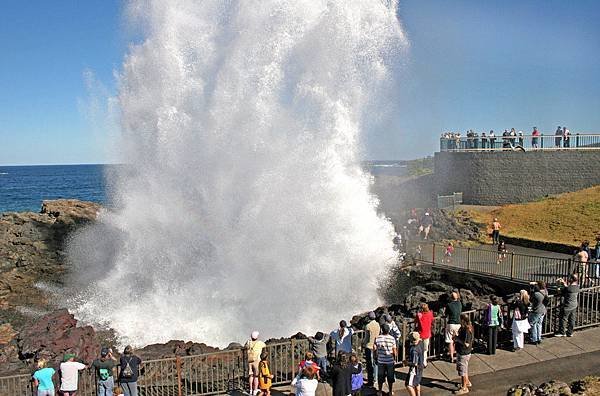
[(577, 141)]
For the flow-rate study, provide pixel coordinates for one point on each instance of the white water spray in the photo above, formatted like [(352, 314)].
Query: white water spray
[(244, 205)]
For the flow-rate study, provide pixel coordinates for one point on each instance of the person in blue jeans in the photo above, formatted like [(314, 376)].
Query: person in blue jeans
[(42, 379), (130, 371), (538, 311), (104, 372)]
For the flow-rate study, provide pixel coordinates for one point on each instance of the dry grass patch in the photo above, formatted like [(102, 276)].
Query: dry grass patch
[(566, 218)]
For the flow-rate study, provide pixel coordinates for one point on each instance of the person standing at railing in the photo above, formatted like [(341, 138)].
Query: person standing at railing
[(496, 231), (453, 311), (493, 321), (502, 252), (42, 379), (569, 293), (130, 371), (513, 137), (484, 140), (580, 260), (69, 374), (535, 138), (492, 138), (254, 348), (566, 137), (521, 139), (424, 321), (265, 378), (520, 323), (464, 347), (558, 136), (342, 337), (318, 346), (104, 367), (538, 311), (372, 330)]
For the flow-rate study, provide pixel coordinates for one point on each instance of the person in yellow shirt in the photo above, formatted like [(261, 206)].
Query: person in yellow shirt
[(265, 378)]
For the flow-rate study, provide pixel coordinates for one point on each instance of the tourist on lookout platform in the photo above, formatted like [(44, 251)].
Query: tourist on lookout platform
[(254, 348)]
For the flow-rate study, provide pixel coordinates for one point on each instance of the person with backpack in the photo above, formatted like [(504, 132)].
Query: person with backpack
[(493, 321), (265, 378), (415, 365), (254, 348), (104, 372), (130, 371), (539, 299)]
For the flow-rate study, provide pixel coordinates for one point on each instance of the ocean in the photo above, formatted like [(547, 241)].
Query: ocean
[(23, 188)]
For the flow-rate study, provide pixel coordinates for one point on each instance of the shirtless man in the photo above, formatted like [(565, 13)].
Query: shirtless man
[(496, 232)]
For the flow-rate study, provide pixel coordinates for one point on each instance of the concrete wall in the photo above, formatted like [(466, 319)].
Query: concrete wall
[(501, 177)]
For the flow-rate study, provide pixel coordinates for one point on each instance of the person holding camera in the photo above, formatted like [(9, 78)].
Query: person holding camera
[(538, 310), (520, 324), (569, 293)]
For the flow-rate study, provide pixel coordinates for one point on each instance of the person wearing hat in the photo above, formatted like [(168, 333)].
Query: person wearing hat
[(104, 372), (372, 330), (69, 374), (254, 348), (130, 371), (415, 364)]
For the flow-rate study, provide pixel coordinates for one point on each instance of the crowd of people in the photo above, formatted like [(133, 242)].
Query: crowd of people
[(104, 367), (507, 139)]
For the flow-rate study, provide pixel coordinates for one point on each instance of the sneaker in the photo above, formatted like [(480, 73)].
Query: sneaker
[(569, 335), (461, 391), (559, 335)]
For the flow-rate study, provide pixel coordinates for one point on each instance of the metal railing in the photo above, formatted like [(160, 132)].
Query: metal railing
[(227, 371), (510, 265), (579, 141)]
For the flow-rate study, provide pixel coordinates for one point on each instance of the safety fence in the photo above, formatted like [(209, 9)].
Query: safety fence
[(507, 265), (227, 371), (579, 141)]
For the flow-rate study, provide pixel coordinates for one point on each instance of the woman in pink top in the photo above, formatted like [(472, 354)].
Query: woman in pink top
[(424, 320)]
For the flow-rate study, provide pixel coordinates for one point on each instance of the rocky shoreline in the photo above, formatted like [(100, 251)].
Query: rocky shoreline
[(32, 264)]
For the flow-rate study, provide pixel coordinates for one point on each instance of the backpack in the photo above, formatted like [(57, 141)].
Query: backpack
[(104, 374), (127, 371)]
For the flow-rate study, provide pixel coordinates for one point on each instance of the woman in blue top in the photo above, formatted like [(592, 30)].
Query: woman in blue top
[(42, 379), (493, 321)]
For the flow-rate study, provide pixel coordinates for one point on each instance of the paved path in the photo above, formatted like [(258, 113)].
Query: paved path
[(565, 358)]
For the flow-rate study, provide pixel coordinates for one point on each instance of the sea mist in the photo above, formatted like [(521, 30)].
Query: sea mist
[(243, 205)]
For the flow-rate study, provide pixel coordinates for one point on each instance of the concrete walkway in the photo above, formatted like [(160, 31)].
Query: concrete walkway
[(440, 376)]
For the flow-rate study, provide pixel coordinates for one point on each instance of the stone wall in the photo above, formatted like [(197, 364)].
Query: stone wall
[(502, 177)]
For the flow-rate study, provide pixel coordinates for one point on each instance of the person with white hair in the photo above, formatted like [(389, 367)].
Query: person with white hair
[(254, 348)]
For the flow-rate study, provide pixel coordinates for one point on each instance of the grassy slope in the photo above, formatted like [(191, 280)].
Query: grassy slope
[(567, 218)]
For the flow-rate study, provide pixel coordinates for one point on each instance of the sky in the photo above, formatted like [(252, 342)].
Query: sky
[(471, 65)]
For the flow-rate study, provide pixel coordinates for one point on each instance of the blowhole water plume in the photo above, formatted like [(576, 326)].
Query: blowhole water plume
[(243, 205)]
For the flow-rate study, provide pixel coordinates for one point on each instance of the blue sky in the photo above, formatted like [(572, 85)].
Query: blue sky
[(471, 65)]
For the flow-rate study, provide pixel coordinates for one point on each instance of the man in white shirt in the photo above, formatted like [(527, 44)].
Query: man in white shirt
[(254, 347), (69, 374)]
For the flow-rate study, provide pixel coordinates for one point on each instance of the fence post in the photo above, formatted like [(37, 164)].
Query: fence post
[(468, 259), (293, 351), (541, 140), (432, 252), (512, 265), (404, 330), (577, 140), (178, 367)]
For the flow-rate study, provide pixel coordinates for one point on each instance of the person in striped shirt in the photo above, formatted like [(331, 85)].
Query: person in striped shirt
[(385, 352)]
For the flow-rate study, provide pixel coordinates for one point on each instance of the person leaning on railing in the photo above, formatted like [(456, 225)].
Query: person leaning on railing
[(569, 293)]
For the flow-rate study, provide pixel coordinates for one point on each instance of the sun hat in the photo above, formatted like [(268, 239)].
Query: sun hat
[(254, 335)]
